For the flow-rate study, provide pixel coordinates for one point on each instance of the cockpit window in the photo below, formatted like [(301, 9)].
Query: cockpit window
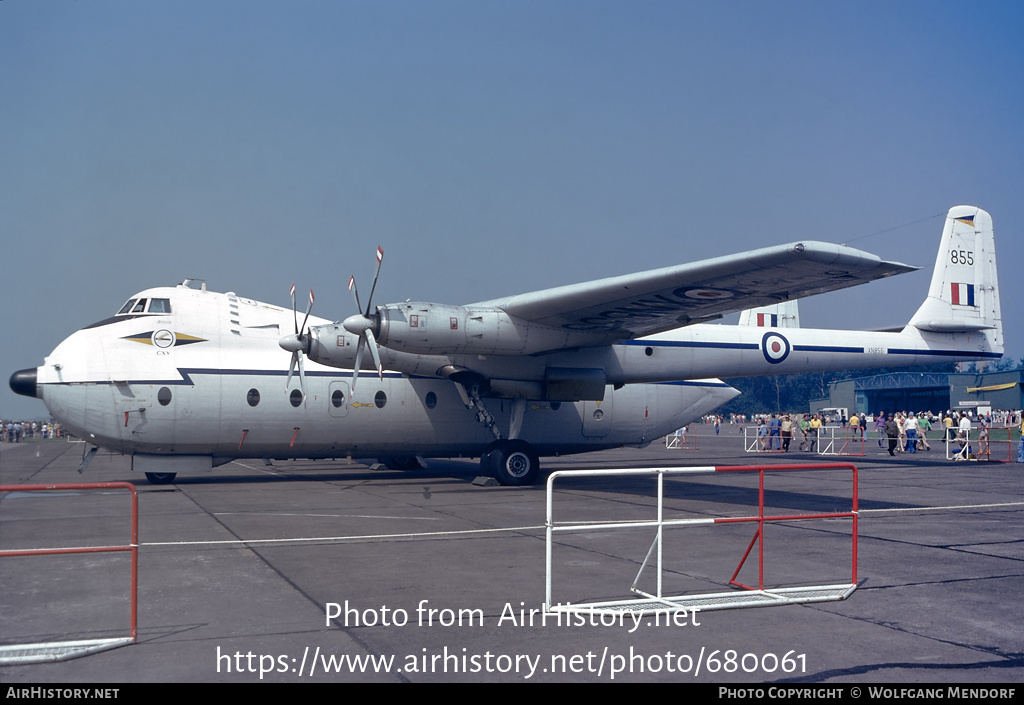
[(139, 306)]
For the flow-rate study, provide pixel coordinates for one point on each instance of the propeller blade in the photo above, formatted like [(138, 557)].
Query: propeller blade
[(380, 258), (295, 316), (359, 360), (308, 309), (371, 341), (291, 370), (355, 291)]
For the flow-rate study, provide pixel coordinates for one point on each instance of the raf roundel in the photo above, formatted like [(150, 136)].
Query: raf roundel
[(708, 294), (775, 347)]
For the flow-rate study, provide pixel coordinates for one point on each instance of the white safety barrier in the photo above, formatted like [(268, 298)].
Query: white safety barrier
[(962, 445), (746, 596), (684, 439), (838, 440), (754, 443)]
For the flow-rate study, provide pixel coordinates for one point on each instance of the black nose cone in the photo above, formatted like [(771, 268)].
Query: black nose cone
[(23, 382)]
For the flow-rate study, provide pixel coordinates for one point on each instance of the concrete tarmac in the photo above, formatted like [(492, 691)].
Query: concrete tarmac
[(330, 571)]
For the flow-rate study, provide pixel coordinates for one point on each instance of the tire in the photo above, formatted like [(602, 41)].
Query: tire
[(161, 478), (513, 463), (410, 463)]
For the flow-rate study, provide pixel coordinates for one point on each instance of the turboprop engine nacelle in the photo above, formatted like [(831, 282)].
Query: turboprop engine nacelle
[(440, 329)]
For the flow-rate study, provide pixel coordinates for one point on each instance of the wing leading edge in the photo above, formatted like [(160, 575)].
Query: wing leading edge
[(635, 305)]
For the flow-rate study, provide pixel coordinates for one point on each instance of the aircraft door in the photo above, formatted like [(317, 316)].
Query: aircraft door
[(597, 416), (338, 396)]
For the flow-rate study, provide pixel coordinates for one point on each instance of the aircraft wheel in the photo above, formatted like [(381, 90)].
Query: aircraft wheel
[(161, 478), (402, 463), (512, 462)]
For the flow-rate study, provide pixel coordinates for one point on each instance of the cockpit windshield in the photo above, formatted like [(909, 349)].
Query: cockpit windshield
[(140, 306)]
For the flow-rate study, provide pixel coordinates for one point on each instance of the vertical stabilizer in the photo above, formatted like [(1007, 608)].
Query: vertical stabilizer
[(964, 293)]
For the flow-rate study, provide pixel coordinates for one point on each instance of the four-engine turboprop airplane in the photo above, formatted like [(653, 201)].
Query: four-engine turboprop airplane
[(184, 379)]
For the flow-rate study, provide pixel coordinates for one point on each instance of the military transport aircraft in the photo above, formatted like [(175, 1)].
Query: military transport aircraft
[(183, 379)]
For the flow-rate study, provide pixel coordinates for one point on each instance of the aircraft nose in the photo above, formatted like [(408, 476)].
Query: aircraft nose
[(23, 382)]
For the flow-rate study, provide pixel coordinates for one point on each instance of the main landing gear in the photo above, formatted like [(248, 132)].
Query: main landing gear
[(161, 478), (510, 462)]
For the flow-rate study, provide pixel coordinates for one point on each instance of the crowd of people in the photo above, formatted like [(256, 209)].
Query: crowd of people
[(899, 432), (907, 432), (17, 431)]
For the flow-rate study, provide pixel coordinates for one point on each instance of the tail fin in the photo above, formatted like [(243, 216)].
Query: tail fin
[(964, 293), (784, 315)]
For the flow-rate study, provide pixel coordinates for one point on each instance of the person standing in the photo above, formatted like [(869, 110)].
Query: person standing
[(925, 425), (1020, 442), (965, 434), (892, 430), (910, 425), (774, 433), (815, 432), (880, 427)]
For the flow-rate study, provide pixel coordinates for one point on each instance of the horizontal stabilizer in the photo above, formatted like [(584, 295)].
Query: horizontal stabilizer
[(782, 315)]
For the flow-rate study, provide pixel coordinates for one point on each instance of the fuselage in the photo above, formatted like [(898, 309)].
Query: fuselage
[(203, 375)]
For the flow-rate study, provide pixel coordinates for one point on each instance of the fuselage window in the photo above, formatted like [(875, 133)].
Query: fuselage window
[(253, 397), (295, 398), (127, 307), (338, 398), (431, 400), (140, 307), (380, 399), (164, 396), (160, 306)]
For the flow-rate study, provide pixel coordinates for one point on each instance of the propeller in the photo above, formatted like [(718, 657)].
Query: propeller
[(297, 344), (362, 324)]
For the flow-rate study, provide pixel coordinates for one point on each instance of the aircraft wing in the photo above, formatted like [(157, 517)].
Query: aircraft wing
[(635, 305)]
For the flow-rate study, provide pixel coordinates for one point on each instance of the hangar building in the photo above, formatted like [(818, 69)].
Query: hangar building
[(926, 391)]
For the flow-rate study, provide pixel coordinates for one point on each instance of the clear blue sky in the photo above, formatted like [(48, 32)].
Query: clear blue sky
[(490, 147)]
